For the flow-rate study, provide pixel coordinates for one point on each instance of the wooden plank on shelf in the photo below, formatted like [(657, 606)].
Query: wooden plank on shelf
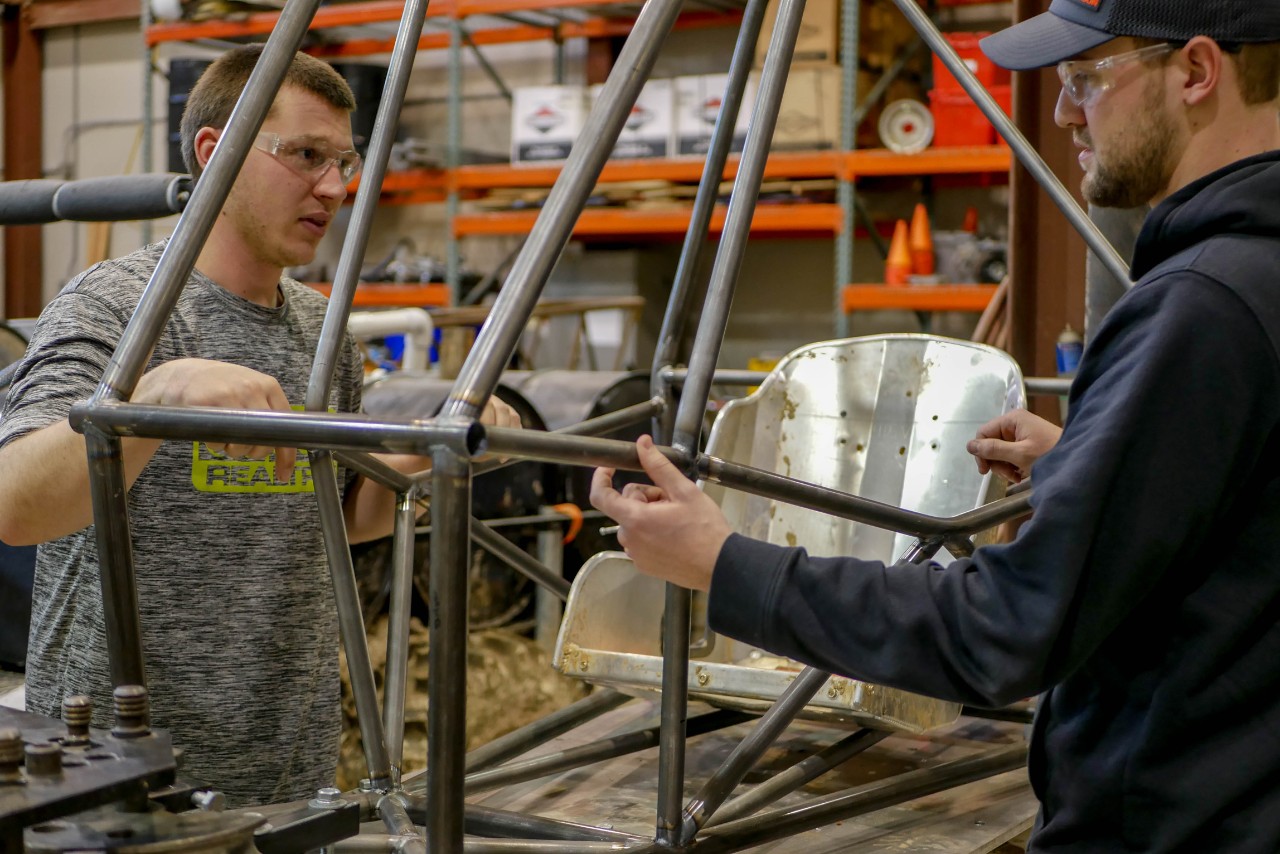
[(380, 295), (46, 14), (872, 297)]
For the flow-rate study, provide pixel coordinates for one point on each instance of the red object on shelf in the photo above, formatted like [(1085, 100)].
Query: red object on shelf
[(920, 239), (987, 72), (897, 269), (958, 121)]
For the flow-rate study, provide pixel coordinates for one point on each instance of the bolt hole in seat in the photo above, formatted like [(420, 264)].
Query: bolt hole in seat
[(885, 417)]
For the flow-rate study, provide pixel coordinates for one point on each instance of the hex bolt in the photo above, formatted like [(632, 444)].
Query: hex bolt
[(328, 798), (133, 714), (77, 710), (44, 760), (10, 756)]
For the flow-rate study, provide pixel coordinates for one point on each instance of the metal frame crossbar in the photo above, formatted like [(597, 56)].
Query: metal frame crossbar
[(455, 438)]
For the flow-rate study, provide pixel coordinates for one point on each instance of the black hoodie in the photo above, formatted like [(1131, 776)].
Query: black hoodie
[(1143, 596)]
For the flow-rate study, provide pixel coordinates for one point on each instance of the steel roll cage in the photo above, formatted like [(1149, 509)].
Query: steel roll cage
[(455, 438)]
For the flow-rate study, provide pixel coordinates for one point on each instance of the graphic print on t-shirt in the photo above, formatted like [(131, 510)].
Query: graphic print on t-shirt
[(216, 472)]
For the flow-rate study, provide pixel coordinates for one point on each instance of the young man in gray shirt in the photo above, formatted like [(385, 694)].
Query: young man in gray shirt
[(238, 618)]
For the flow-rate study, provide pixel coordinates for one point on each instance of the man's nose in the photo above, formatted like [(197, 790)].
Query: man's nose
[(330, 184), (1067, 113)]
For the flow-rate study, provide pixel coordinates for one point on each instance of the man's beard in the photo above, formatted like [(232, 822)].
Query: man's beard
[(1139, 162)]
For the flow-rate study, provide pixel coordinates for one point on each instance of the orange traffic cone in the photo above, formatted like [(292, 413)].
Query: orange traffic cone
[(971, 220), (921, 243), (898, 267)]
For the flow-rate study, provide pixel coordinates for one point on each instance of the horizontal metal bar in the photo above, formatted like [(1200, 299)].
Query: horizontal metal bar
[(518, 559), (1050, 386), (320, 430), (575, 450), (597, 751), (377, 843), (486, 821), (677, 376), (544, 729), (375, 470)]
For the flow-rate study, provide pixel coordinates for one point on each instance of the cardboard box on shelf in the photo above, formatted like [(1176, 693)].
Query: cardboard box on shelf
[(818, 42), (650, 127), (545, 121), (698, 98), (809, 117)]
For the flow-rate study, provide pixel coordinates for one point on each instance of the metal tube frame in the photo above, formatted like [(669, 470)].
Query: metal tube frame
[(455, 438)]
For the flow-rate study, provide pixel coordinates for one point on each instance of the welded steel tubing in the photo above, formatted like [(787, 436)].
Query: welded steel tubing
[(447, 657), (324, 430), (776, 824), (170, 276), (769, 485), (960, 546), (766, 731), (391, 810), (806, 770), (597, 751), (737, 230), (115, 552), (922, 550), (1026, 154), (486, 821), (333, 336), (396, 683), (375, 470), (544, 729), (677, 604), (680, 301), (588, 451), (350, 620), (554, 226), (518, 559)]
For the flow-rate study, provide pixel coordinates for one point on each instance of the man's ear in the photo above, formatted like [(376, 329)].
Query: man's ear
[(206, 140), (1204, 61)]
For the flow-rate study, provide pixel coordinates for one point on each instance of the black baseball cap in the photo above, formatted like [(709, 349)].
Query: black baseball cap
[(1071, 27)]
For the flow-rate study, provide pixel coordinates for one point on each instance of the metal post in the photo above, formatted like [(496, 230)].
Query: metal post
[(845, 189), (766, 731), (807, 769), (737, 228), (115, 555), (679, 303), (333, 335), (447, 662), (347, 596), (675, 708), (549, 608), (395, 684), (554, 226), (1026, 154), (453, 159)]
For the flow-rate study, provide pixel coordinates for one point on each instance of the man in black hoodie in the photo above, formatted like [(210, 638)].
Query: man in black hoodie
[(1143, 597)]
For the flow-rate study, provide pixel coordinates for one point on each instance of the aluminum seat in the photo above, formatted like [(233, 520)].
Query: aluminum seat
[(885, 417)]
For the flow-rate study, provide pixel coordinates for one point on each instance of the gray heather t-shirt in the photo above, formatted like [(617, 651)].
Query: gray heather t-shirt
[(239, 626)]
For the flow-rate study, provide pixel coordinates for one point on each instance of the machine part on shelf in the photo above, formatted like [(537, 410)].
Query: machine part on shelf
[(77, 711), (413, 323), (906, 126), (133, 712)]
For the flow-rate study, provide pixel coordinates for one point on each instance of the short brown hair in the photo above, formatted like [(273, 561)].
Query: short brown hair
[(1258, 67), (216, 92)]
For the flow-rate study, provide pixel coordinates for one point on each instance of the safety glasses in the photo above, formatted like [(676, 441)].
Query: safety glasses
[(309, 157), (1085, 79)]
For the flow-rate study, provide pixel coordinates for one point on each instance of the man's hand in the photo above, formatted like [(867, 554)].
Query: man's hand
[(202, 382), (1009, 444), (671, 530)]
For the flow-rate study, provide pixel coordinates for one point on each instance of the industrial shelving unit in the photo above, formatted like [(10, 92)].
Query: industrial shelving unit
[(347, 33)]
